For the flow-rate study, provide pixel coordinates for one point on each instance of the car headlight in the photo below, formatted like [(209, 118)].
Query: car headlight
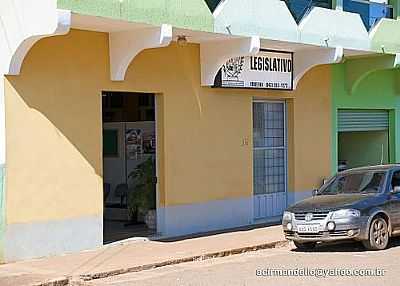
[(346, 213), (287, 216)]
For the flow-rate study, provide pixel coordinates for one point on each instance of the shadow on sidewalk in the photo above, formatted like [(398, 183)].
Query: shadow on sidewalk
[(211, 233)]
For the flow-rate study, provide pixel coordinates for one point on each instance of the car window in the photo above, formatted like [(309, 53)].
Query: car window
[(396, 179), (360, 182)]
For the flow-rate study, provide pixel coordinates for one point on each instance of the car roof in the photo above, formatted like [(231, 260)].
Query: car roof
[(372, 168)]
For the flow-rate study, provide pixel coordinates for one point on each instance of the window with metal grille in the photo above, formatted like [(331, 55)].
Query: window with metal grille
[(269, 154)]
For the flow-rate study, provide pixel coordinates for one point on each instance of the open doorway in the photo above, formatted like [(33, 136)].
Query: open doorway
[(363, 148), (129, 165), (363, 138)]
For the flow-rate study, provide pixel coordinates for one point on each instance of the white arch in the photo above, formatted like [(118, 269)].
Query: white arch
[(307, 59), (214, 54), (22, 24), (126, 45)]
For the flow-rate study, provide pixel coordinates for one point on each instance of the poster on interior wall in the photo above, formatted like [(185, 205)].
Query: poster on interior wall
[(140, 139), (134, 143), (266, 70)]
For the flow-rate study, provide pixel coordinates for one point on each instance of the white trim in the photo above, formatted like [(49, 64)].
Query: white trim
[(22, 24), (219, 8), (61, 27), (214, 54), (305, 60), (126, 45)]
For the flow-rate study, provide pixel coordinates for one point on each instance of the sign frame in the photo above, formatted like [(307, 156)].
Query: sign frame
[(218, 77)]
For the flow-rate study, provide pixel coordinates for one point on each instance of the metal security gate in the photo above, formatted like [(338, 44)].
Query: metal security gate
[(362, 120), (269, 159)]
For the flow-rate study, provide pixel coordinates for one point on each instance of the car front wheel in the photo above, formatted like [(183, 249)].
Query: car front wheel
[(378, 235), (305, 245)]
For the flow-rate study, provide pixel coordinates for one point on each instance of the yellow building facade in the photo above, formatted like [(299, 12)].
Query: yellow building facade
[(54, 174)]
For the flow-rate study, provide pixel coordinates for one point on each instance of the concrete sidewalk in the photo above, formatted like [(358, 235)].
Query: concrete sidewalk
[(133, 256)]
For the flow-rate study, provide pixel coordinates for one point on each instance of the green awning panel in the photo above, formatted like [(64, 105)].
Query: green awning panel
[(187, 14), (362, 120)]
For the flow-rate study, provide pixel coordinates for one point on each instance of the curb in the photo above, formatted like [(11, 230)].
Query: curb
[(223, 253), (62, 281), (80, 280)]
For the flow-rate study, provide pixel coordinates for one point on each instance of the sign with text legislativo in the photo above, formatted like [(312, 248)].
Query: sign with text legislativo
[(266, 70)]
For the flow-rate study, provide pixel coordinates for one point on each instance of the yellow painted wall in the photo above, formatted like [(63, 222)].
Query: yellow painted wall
[(53, 121), (312, 129), (309, 129)]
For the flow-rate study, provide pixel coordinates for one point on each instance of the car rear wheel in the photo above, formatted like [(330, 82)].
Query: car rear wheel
[(378, 235), (305, 245)]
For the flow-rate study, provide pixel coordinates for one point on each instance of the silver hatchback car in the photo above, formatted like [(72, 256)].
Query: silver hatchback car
[(361, 204)]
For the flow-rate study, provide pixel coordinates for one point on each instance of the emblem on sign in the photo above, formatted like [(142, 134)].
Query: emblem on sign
[(308, 217), (233, 68)]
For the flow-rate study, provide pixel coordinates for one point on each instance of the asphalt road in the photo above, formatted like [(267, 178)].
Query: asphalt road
[(242, 269)]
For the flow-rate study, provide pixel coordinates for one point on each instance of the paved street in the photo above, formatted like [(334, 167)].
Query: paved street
[(241, 269)]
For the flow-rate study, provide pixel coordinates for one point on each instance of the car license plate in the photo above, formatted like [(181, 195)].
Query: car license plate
[(308, 228)]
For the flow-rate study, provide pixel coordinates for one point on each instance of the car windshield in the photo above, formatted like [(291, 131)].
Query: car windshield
[(351, 183)]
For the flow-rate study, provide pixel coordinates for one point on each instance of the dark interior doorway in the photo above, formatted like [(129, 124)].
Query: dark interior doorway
[(363, 148), (129, 165), (363, 137)]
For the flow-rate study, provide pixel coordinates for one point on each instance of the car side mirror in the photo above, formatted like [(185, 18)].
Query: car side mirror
[(395, 190), (315, 192)]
